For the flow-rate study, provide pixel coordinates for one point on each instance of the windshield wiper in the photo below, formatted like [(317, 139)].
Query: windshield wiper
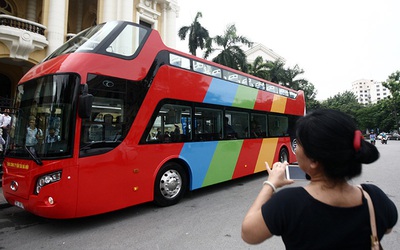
[(32, 152)]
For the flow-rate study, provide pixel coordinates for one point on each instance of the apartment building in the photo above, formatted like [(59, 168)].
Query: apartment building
[(369, 91), (32, 29)]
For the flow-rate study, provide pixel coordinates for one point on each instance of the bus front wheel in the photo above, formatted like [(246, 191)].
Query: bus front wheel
[(283, 155), (170, 185)]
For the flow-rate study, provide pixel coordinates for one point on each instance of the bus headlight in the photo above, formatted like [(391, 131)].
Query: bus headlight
[(47, 179)]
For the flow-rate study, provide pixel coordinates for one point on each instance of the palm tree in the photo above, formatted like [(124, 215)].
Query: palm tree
[(290, 77), (198, 35), (276, 71), (231, 54), (258, 68)]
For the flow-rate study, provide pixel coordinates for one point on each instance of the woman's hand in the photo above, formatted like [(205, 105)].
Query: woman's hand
[(277, 175)]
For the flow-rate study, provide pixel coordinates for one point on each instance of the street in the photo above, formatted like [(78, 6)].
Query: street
[(205, 219)]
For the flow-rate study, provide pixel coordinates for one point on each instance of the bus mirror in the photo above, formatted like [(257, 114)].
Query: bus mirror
[(85, 103)]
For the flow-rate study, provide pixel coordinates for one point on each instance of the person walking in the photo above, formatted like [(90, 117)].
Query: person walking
[(5, 121), (329, 212)]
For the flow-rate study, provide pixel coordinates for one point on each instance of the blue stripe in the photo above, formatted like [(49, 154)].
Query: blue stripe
[(221, 92), (198, 156)]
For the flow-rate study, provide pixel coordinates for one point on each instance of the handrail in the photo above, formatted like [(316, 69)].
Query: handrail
[(20, 23)]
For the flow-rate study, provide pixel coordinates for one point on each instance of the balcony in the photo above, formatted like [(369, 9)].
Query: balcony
[(21, 36)]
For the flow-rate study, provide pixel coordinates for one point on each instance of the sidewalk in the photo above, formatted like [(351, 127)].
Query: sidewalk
[(3, 202)]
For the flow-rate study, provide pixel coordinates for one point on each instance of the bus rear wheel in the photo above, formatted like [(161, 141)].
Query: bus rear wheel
[(283, 155), (170, 185)]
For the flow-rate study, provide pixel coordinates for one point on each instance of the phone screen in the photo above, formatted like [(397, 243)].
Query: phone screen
[(294, 172)]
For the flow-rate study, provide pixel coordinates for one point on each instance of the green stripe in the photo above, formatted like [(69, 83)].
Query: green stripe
[(245, 97), (223, 162)]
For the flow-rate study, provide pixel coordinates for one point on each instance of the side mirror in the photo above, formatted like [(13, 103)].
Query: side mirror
[(85, 103)]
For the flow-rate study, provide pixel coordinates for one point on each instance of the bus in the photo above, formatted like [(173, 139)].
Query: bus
[(115, 118)]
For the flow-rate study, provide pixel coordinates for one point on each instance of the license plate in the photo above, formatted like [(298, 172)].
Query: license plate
[(19, 204)]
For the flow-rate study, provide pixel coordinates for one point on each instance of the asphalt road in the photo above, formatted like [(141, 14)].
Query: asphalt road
[(205, 219)]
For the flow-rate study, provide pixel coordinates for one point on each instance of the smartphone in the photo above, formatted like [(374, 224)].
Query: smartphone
[(294, 172)]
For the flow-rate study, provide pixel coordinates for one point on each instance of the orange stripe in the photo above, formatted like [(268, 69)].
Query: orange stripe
[(279, 104), (266, 154)]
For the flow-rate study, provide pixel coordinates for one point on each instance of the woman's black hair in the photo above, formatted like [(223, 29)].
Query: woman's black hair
[(328, 136)]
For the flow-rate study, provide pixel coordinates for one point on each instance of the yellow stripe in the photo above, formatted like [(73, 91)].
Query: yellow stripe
[(279, 104), (266, 154)]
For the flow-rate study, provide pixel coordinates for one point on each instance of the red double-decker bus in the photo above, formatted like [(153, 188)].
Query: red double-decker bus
[(114, 118)]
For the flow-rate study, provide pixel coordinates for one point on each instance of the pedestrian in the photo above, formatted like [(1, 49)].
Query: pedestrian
[(329, 212), (33, 134), (5, 120)]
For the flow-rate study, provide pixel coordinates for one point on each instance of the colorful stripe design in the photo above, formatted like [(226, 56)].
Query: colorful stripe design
[(230, 94), (218, 161)]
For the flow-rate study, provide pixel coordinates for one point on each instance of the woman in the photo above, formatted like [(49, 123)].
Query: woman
[(330, 212)]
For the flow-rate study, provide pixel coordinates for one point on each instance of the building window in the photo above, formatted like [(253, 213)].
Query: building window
[(146, 24), (6, 8)]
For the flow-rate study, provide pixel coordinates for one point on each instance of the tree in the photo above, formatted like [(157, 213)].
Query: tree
[(258, 68), (345, 102), (367, 117), (393, 84), (198, 35), (291, 77), (231, 54), (276, 71)]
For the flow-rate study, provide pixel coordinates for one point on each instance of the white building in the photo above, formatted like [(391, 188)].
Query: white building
[(260, 50), (369, 91)]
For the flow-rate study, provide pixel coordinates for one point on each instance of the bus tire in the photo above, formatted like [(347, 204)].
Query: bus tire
[(284, 155), (170, 185)]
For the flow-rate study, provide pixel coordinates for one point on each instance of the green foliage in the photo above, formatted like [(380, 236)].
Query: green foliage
[(258, 68), (393, 84), (345, 102), (231, 54), (198, 35)]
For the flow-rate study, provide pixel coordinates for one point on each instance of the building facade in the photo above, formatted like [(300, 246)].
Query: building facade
[(261, 50), (369, 91), (32, 29)]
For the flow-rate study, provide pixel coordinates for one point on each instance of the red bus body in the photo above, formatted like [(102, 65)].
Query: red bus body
[(125, 176)]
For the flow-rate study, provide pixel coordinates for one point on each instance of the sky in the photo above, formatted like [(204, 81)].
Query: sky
[(334, 42)]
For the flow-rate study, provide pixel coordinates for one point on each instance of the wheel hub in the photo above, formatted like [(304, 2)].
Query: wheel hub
[(170, 184)]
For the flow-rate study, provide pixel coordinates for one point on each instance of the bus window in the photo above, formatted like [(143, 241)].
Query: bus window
[(115, 104), (199, 67), (258, 126), (126, 43), (271, 88), (239, 123), (208, 124), (278, 125), (179, 61), (216, 72), (172, 124), (283, 92)]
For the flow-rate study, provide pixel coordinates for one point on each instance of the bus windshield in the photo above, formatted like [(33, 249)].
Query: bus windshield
[(42, 122), (110, 38)]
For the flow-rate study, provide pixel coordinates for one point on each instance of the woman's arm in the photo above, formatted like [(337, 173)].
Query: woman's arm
[(254, 229)]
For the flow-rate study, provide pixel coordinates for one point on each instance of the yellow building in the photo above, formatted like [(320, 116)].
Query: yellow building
[(32, 29)]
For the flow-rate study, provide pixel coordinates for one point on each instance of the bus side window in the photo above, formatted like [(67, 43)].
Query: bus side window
[(208, 124), (258, 126), (172, 124), (278, 125)]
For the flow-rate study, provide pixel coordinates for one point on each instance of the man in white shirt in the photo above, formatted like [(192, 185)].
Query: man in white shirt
[(5, 120)]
